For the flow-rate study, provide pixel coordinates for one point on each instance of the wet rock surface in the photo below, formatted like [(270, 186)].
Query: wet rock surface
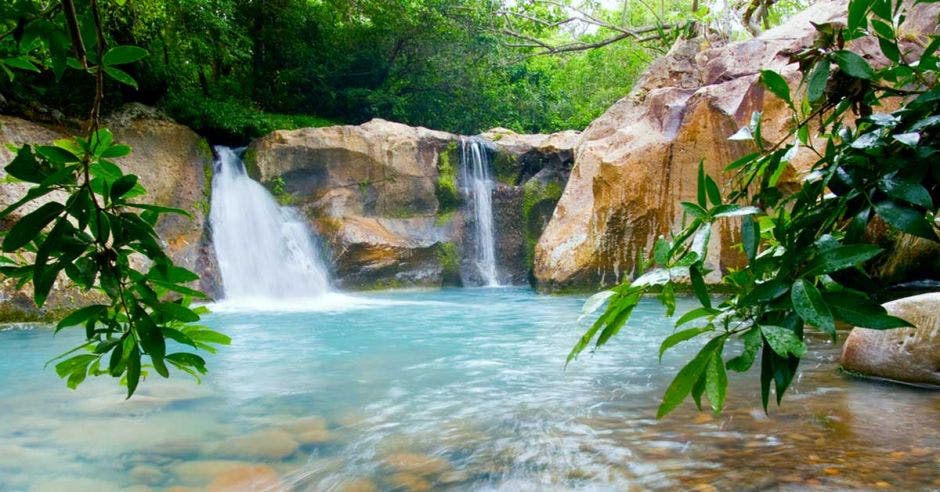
[(638, 161), (385, 197), (173, 164), (908, 355)]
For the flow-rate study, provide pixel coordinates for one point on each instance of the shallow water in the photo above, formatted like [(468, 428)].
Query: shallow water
[(453, 389)]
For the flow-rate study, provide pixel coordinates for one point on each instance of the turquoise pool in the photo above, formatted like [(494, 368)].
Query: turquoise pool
[(459, 389)]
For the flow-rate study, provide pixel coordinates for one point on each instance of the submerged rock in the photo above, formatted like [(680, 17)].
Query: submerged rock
[(909, 355), (248, 478)]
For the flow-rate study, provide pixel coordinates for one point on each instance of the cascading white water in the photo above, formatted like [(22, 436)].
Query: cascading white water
[(264, 250), (478, 189)]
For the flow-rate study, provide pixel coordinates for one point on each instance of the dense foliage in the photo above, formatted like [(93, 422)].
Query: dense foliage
[(804, 250), (82, 218), (237, 69)]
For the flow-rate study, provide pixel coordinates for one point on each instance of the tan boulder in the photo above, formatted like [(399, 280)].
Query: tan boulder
[(172, 162), (909, 355), (639, 160)]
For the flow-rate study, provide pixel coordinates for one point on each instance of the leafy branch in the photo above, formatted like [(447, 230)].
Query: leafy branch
[(99, 236), (805, 251)]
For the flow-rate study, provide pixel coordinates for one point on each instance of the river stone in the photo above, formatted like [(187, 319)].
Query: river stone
[(248, 478), (639, 160), (419, 464), (266, 444), (909, 355)]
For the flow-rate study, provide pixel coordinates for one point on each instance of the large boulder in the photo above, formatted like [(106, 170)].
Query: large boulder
[(638, 161), (386, 197), (172, 162), (909, 355)]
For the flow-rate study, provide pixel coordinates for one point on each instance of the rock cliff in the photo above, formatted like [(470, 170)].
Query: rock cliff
[(174, 165)]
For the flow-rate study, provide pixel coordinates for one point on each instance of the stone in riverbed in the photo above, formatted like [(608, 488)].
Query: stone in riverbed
[(248, 478), (909, 355), (267, 444), (419, 464)]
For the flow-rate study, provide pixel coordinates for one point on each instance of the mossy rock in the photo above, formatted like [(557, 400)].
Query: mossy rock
[(538, 201), (449, 260), (506, 168), (447, 190)]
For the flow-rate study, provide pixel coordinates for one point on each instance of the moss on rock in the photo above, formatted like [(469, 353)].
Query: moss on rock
[(447, 189), (505, 168), (449, 260), (537, 196)]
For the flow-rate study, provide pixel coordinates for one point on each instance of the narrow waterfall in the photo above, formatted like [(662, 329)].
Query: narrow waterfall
[(478, 190), (264, 250)]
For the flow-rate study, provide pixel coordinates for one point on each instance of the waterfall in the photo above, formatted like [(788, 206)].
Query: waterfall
[(264, 250), (478, 190)]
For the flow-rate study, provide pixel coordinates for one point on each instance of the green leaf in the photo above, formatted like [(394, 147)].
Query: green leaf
[(906, 219), (176, 311), (120, 55), (28, 227), (909, 191), (750, 237), (716, 382), (695, 314), (853, 64), (682, 385), (752, 343), (22, 63), (122, 186), (698, 286), (858, 310), (732, 210), (714, 195), (776, 84), (701, 184), (158, 209), (681, 336), (73, 364), (82, 315), (890, 49), (25, 167), (121, 76), (133, 370), (115, 151), (840, 258), (694, 209), (858, 14), (808, 303), (783, 341)]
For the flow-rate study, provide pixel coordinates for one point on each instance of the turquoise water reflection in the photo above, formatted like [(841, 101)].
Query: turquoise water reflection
[(453, 389)]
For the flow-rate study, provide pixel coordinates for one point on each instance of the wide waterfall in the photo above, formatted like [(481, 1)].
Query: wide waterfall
[(478, 190), (264, 250)]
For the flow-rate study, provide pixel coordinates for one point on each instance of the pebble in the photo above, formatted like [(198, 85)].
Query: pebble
[(920, 452), (883, 485), (831, 471), (702, 418), (897, 455)]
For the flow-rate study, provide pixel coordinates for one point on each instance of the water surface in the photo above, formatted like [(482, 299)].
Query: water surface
[(453, 389)]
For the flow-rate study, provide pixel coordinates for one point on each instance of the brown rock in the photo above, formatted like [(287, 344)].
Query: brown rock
[(410, 482), (172, 163), (420, 464), (265, 444), (910, 355), (638, 161), (247, 479)]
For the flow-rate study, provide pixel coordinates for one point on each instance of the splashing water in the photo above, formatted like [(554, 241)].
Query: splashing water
[(478, 188), (264, 250)]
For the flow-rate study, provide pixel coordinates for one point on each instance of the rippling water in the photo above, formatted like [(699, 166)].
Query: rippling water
[(454, 389)]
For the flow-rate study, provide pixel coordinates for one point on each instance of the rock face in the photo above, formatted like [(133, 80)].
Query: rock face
[(910, 355), (386, 198), (172, 162), (638, 161)]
